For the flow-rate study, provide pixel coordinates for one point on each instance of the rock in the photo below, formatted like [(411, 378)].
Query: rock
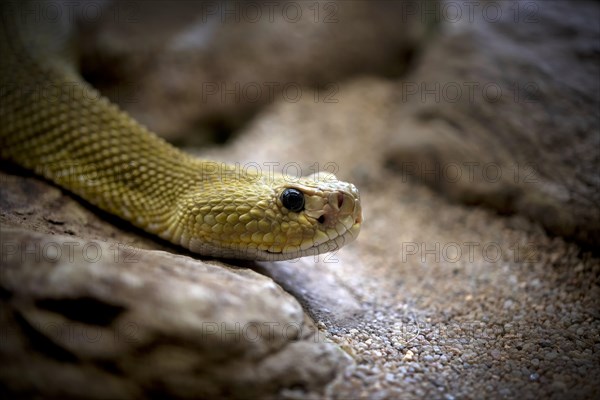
[(209, 66), (320, 292), (82, 318), (502, 111)]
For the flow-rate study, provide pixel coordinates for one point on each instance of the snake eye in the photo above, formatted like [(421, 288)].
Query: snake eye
[(293, 200)]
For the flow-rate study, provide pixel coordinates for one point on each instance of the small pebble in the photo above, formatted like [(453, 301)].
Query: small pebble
[(534, 377), (495, 354)]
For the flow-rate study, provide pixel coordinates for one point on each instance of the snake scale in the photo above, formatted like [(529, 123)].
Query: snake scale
[(54, 123)]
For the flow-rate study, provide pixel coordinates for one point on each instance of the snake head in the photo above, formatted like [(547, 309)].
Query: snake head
[(272, 218), (324, 215)]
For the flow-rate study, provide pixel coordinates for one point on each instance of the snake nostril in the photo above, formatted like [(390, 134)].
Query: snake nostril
[(340, 200), (321, 219)]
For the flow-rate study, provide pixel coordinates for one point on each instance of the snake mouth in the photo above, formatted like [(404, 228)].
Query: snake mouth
[(329, 246), (342, 210), (340, 222)]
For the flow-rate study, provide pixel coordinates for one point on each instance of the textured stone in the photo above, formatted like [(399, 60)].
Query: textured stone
[(503, 111), (91, 319), (219, 62)]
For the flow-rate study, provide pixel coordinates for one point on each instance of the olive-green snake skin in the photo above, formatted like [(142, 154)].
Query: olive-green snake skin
[(54, 123)]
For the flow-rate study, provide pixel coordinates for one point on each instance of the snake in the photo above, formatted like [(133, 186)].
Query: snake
[(57, 125)]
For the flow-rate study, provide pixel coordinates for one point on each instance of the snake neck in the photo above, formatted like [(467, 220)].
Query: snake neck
[(56, 124)]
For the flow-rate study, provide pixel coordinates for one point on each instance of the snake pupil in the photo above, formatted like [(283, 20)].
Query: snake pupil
[(293, 200)]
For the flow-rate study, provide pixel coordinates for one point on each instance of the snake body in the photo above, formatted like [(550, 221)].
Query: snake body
[(54, 123)]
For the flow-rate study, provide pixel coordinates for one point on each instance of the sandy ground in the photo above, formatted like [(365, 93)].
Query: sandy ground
[(434, 299)]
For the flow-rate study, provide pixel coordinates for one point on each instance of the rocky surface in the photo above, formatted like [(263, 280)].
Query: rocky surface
[(503, 111), (438, 298), (209, 66)]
